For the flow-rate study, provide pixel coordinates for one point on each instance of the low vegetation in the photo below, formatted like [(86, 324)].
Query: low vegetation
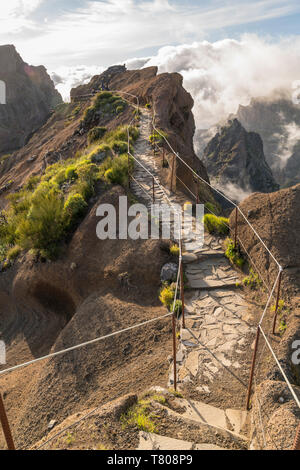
[(140, 415), (233, 253), (252, 280), (96, 134), (166, 296), (106, 104), (212, 208), (157, 137), (48, 208), (174, 250), (283, 314), (216, 225)]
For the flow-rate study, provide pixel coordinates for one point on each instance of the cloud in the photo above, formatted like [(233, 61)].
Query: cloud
[(287, 141), (106, 32), (234, 192), (66, 78), (228, 73)]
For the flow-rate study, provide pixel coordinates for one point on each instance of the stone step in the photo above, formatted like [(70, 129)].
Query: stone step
[(206, 417), (150, 441), (231, 420), (210, 284)]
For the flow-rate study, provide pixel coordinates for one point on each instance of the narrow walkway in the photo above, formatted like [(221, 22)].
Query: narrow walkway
[(219, 326)]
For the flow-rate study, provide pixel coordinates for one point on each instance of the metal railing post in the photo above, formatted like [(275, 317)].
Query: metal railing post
[(182, 287), (5, 426), (296, 445), (252, 368), (236, 227), (277, 302), (153, 189), (174, 351), (128, 170), (172, 174)]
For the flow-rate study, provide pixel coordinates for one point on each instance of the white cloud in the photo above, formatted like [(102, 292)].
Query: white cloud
[(102, 33), (66, 78), (222, 75), (287, 141)]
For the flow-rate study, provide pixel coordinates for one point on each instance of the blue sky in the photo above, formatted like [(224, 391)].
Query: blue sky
[(72, 32)]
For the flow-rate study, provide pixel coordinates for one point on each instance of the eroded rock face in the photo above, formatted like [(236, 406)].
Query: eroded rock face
[(173, 107), (235, 156), (277, 120), (30, 96), (276, 218)]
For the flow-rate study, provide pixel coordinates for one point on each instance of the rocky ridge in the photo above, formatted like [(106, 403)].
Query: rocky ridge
[(30, 98)]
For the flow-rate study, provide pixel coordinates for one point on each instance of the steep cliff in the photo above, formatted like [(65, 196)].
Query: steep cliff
[(276, 218), (277, 120), (172, 103), (236, 157), (94, 286), (30, 97)]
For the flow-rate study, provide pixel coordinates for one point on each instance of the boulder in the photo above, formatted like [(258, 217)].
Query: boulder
[(169, 272)]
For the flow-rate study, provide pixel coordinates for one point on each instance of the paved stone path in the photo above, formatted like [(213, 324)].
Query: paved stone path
[(218, 319)]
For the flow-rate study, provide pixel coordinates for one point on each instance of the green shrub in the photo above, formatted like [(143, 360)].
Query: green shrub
[(13, 253), (105, 102), (157, 138), (43, 227), (120, 147), (166, 296), (212, 208), (32, 183), (120, 109), (178, 308), (134, 132), (71, 173), (74, 208), (253, 281), (140, 416), (233, 253), (96, 134), (117, 170), (100, 153), (174, 250), (215, 224)]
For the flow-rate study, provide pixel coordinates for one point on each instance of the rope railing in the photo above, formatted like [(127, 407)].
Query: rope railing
[(271, 290), (179, 284)]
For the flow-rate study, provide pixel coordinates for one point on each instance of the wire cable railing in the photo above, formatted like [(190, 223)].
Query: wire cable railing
[(179, 284), (271, 290)]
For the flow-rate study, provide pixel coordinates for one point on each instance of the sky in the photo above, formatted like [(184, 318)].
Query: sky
[(73, 32), (227, 51)]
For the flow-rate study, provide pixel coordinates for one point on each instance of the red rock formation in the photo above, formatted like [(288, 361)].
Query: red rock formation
[(172, 103)]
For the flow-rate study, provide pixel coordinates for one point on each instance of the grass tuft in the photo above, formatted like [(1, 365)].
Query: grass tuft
[(216, 225)]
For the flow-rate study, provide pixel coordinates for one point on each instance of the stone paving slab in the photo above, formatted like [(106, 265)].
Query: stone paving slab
[(149, 441), (217, 316)]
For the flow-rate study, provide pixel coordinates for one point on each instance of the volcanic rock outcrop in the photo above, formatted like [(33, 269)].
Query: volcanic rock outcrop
[(172, 106), (236, 157), (30, 97), (277, 120), (276, 218), (94, 288)]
